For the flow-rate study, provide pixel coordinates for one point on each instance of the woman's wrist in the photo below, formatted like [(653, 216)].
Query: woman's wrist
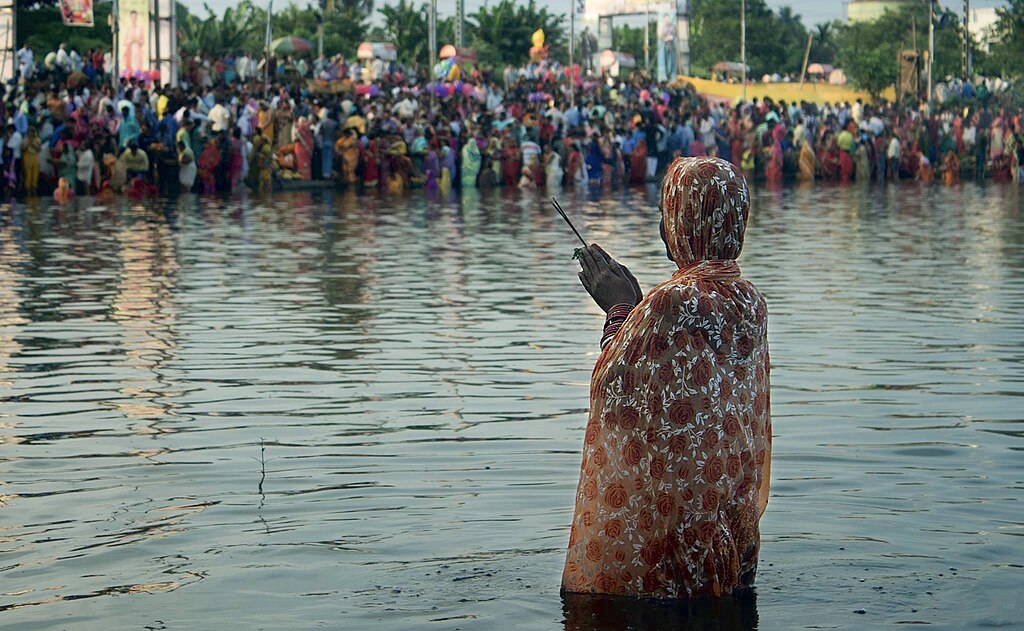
[(614, 320)]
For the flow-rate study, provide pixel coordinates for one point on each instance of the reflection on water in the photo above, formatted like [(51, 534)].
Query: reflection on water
[(365, 412), (586, 612)]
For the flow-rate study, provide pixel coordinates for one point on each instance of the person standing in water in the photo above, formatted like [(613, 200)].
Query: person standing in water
[(677, 449)]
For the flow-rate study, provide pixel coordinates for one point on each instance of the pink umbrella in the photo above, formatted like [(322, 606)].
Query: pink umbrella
[(290, 45)]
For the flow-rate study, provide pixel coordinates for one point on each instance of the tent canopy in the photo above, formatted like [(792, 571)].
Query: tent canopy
[(377, 50), (729, 67), (609, 57)]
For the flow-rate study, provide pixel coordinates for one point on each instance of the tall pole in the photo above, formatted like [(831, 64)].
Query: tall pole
[(320, 33), (743, 45), (965, 62), (460, 24), (931, 49), (432, 35), (807, 57), (647, 36), (266, 49), (572, 53), (116, 28)]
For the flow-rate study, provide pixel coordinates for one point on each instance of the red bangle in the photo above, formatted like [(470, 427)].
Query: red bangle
[(614, 320)]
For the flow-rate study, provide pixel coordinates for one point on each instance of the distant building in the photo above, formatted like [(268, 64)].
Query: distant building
[(981, 23), (870, 10)]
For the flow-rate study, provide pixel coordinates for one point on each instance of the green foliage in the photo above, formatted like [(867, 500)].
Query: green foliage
[(1006, 57), (775, 41), (240, 29), (630, 39), (344, 29), (500, 33), (243, 28), (41, 26), (405, 26), (868, 51), (823, 48)]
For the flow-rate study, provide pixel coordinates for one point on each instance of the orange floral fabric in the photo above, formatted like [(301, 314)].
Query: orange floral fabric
[(676, 453)]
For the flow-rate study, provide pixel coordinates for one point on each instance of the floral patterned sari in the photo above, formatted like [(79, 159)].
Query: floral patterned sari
[(677, 450)]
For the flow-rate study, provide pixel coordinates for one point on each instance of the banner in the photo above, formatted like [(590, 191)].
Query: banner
[(76, 12), (598, 8), (133, 37), (667, 51)]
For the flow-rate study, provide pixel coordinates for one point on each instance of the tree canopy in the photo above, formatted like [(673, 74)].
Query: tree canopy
[(869, 51), (500, 32), (1006, 56)]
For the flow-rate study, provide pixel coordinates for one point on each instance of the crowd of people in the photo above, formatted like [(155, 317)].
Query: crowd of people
[(381, 127)]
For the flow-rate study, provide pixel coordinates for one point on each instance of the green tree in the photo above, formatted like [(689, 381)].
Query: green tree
[(1006, 57), (501, 33), (344, 28), (775, 42), (868, 51), (823, 48), (405, 26), (40, 25), (240, 28), (630, 39)]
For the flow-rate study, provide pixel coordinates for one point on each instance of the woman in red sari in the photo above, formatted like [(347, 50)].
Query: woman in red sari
[(773, 170), (209, 163), (638, 163), (830, 160), (677, 450), (736, 134), (371, 164), (510, 169), (304, 148)]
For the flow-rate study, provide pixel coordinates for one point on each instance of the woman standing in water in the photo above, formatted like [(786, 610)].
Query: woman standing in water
[(677, 450)]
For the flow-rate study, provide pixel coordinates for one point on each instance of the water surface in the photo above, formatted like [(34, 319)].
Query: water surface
[(330, 411)]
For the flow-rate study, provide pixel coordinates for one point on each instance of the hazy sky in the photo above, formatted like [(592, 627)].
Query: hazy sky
[(813, 11)]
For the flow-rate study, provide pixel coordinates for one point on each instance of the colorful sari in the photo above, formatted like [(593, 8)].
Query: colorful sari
[(510, 162), (470, 163), (304, 149), (638, 163), (677, 450), (209, 162), (773, 170), (807, 162), (348, 148)]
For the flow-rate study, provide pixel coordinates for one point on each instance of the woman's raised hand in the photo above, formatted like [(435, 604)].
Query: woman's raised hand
[(607, 281)]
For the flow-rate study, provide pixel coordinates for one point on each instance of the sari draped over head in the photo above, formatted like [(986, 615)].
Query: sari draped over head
[(471, 160), (677, 449), (807, 162)]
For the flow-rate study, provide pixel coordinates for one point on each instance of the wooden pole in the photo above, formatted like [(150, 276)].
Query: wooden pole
[(807, 57), (931, 49), (743, 45), (572, 52)]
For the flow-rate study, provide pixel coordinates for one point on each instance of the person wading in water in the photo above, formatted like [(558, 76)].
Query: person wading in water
[(677, 449)]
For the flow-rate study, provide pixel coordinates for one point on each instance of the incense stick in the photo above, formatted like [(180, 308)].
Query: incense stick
[(558, 207)]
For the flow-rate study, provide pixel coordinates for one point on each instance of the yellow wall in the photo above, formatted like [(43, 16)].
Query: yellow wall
[(790, 92)]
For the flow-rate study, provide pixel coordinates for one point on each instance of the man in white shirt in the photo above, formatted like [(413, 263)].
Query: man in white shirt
[(14, 142), (893, 155), (63, 61), (26, 63), (242, 67), (220, 118), (406, 108), (191, 109)]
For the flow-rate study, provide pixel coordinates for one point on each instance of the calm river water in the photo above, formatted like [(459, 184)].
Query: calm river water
[(417, 374)]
